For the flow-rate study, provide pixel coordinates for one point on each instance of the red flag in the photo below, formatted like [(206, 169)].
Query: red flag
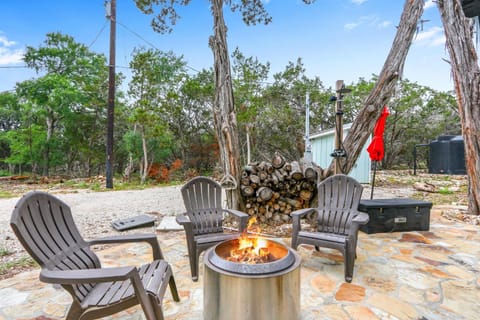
[(376, 149)]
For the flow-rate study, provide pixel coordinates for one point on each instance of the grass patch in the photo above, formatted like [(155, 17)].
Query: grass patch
[(4, 252), (22, 263), (445, 191), (5, 194)]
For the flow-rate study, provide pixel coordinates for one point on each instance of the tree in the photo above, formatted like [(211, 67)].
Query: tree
[(253, 12), (191, 122), (52, 97), (73, 81), (249, 76), (384, 88), (10, 120), (282, 118), (155, 75), (466, 76), (418, 115)]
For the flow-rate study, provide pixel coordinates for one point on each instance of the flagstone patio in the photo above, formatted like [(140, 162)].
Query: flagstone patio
[(402, 275)]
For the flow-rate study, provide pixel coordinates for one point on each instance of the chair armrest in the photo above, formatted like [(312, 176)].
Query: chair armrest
[(182, 219), (301, 213), (361, 218), (242, 216), (150, 238), (237, 213), (296, 225), (87, 275)]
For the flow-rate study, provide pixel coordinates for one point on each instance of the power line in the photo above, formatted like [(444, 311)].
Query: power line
[(14, 67), (149, 43), (98, 34)]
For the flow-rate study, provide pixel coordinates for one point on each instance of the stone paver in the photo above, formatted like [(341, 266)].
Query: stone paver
[(409, 275)]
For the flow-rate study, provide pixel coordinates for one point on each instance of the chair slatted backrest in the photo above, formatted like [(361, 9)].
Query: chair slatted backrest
[(202, 197), (45, 227), (338, 199)]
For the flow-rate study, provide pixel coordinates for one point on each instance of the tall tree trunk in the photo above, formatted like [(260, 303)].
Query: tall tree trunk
[(392, 70), (466, 76), (46, 155), (144, 171), (224, 114)]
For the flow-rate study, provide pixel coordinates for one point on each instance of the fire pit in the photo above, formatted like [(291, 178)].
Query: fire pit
[(251, 278)]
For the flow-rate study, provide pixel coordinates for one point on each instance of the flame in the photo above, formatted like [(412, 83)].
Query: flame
[(250, 249)]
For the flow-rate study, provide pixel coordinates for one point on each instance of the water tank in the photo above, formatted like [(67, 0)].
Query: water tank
[(447, 155)]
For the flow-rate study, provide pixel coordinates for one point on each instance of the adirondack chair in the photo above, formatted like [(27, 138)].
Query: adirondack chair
[(338, 219), (45, 227), (204, 218)]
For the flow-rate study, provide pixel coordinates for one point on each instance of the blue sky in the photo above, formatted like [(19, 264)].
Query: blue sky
[(337, 39)]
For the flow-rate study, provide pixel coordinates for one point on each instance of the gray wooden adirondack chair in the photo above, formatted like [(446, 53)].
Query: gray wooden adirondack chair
[(45, 227), (338, 219), (204, 217)]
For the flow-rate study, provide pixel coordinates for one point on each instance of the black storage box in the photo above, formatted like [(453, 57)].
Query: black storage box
[(390, 215)]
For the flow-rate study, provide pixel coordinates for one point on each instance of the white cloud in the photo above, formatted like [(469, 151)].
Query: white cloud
[(434, 36), (351, 25), (359, 1), (429, 4), (5, 42), (373, 21), (9, 55)]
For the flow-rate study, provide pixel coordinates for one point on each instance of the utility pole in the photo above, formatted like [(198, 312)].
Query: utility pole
[(111, 13)]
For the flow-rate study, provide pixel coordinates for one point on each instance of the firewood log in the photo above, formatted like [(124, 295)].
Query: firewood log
[(245, 181), (250, 168), (264, 193), (247, 191), (296, 172), (278, 161), (306, 194), (254, 179)]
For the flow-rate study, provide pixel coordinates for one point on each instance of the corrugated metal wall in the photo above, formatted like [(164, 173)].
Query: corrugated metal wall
[(323, 145)]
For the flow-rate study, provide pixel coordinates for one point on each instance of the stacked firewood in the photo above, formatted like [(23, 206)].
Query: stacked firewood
[(273, 190)]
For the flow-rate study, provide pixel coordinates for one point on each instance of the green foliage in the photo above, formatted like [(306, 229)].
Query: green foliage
[(445, 191), (4, 252), (57, 121), (24, 262)]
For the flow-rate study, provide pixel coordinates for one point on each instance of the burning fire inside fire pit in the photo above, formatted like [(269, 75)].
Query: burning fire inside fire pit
[(251, 255), (250, 250), (249, 269), (247, 249)]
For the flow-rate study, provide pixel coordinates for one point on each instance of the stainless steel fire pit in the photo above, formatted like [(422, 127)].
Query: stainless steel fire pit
[(263, 291)]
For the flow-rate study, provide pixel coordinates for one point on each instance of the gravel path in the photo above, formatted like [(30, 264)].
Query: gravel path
[(94, 211)]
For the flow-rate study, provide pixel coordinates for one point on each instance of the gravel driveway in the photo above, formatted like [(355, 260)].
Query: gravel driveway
[(94, 211)]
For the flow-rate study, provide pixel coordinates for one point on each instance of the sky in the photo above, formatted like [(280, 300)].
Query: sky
[(336, 39)]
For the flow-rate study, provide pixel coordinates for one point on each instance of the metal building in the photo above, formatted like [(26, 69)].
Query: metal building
[(323, 144)]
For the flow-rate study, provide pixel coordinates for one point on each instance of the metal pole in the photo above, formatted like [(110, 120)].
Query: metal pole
[(111, 93), (373, 179), (338, 124), (308, 147)]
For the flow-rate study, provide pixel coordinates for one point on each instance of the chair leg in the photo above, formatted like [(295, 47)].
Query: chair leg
[(192, 257), (195, 266), (157, 307), (349, 265), (74, 312), (173, 289)]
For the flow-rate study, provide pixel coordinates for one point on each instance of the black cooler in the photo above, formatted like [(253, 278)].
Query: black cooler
[(391, 215)]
